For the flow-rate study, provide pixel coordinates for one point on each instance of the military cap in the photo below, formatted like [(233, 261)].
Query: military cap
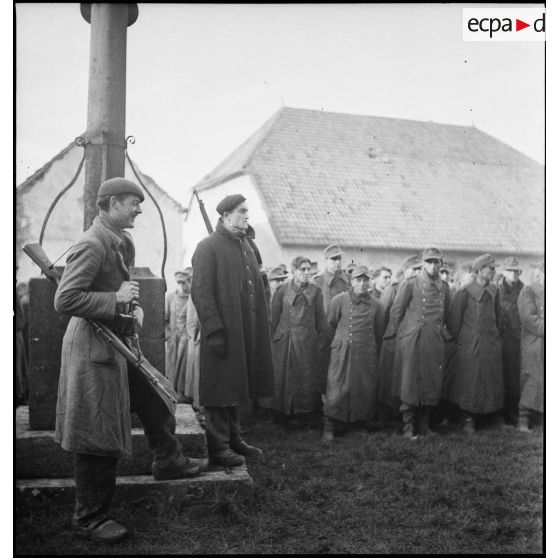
[(361, 270), (511, 264), (332, 251), (118, 187), (445, 267), (432, 254), (183, 272), (411, 261), (277, 273), (482, 261), (351, 267), (229, 203)]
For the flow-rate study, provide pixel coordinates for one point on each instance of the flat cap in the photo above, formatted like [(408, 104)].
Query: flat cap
[(432, 254), (277, 273), (511, 264), (333, 250), (119, 186), (229, 203), (186, 272), (482, 261), (361, 270), (411, 261)]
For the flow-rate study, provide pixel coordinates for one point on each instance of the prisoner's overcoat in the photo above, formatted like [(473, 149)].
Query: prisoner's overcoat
[(418, 317), (531, 313), (478, 385), (352, 378)]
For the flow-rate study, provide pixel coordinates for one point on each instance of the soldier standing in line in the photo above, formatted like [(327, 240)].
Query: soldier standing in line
[(509, 290), (417, 317), (388, 404), (176, 337), (277, 276), (380, 280), (98, 389), (474, 322), (332, 280), (356, 322), (230, 297), (531, 314)]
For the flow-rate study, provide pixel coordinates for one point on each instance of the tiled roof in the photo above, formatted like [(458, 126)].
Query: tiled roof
[(387, 182)]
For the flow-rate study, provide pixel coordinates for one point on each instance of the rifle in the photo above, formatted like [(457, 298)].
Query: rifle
[(204, 214), (156, 381)]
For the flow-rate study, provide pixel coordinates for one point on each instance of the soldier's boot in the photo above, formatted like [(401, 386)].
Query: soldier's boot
[(408, 424), (469, 425), (523, 422), (328, 433), (424, 422)]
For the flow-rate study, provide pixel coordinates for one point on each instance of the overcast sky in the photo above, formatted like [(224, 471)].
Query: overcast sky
[(202, 78)]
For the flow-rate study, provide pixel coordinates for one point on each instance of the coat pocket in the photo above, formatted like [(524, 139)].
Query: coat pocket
[(101, 353)]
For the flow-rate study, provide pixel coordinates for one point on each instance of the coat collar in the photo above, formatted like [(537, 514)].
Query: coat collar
[(477, 291), (508, 289), (221, 229), (329, 278), (424, 278), (120, 241), (291, 292), (362, 299)]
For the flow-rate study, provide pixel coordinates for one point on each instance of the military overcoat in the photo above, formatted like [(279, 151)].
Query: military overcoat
[(229, 295), (352, 378), (418, 317), (531, 312), (332, 284), (93, 406), (474, 321)]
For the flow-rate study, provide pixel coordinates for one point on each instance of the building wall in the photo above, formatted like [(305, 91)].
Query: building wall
[(66, 221)]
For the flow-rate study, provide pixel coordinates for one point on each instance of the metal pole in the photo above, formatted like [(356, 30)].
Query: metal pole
[(106, 104)]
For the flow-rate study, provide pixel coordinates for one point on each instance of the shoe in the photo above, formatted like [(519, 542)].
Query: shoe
[(242, 448), (227, 458), (106, 531), (469, 426), (190, 468)]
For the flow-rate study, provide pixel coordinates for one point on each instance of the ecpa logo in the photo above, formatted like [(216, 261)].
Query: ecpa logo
[(503, 24)]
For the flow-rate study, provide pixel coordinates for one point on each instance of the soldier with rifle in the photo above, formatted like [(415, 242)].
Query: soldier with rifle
[(98, 387)]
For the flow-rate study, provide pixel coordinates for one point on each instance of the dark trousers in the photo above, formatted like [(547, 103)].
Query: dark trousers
[(95, 476), (222, 428)]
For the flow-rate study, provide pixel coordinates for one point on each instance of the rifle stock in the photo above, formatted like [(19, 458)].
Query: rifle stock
[(159, 383)]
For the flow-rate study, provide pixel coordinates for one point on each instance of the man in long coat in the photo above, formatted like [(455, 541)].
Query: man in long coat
[(387, 402), (531, 314), (474, 321), (298, 331), (97, 388), (509, 290), (176, 337), (235, 358), (418, 317), (356, 321)]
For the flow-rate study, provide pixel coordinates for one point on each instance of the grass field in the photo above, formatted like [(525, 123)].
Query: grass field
[(366, 493)]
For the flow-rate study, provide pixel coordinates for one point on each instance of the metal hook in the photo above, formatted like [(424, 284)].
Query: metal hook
[(131, 139)]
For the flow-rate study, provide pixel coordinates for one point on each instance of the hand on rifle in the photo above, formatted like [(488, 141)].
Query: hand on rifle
[(128, 292)]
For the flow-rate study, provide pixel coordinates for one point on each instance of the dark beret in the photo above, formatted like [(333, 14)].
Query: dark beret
[(229, 203), (118, 186)]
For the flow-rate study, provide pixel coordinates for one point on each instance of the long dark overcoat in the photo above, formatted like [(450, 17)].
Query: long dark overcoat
[(387, 354), (228, 293), (478, 385), (298, 333), (418, 315), (531, 313), (511, 340), (352, 377), (93, 406)]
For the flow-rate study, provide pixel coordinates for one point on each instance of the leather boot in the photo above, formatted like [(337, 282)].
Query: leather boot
[(424, 422), (328, 434), (408, 420)]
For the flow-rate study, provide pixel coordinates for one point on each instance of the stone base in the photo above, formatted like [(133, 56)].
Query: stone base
[(39, 457), (214, 485)]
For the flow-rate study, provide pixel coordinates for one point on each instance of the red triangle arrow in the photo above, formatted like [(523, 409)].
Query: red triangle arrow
[(519, 25)]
